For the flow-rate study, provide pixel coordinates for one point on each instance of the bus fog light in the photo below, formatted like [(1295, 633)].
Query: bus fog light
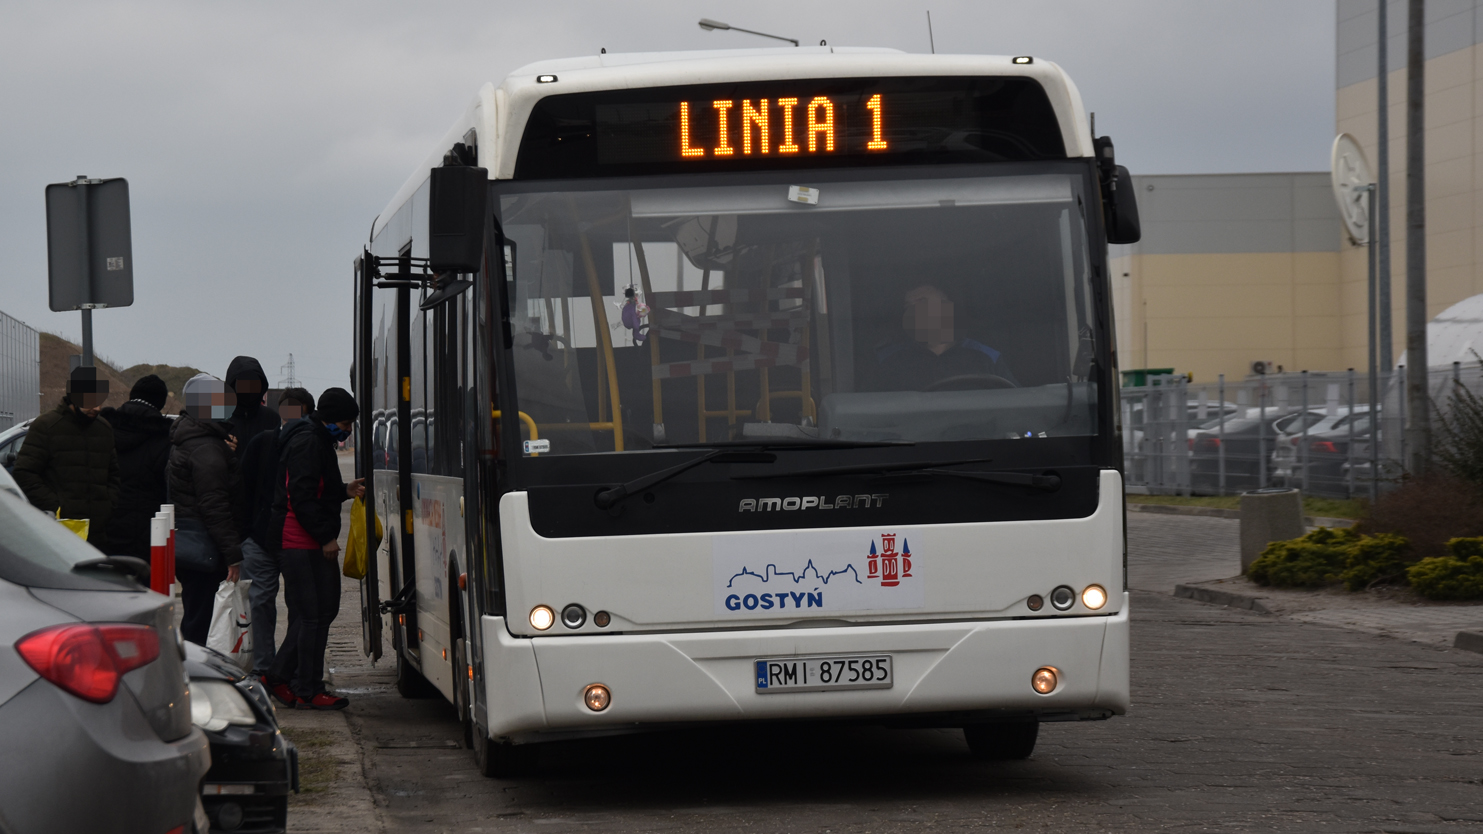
[(1044, 680), (597, 697), (573, 616), (541, 618), (1035, 602), (1062, 598), (601, 619), (1094, 597)]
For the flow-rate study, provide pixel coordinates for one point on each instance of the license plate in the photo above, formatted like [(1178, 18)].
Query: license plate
[(823, 674)]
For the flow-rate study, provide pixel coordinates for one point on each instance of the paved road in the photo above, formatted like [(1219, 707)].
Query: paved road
[(1166, 550), (1240, 722)]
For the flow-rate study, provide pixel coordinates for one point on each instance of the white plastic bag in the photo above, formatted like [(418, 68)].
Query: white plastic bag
[(231, 623)]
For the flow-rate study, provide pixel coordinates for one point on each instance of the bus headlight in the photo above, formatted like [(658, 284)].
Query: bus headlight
[(1044, 680), (1094, 597), (541, 618)]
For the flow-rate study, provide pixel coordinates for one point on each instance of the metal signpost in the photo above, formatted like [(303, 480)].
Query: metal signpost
[(90, 255)]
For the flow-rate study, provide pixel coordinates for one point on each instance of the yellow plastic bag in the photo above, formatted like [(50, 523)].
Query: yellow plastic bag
[(356, 551), (76, 525)]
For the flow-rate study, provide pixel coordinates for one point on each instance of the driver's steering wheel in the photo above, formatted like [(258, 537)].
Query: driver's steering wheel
[(963, 382)]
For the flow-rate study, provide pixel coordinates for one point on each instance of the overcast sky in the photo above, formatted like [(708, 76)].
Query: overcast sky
[(260, 139)]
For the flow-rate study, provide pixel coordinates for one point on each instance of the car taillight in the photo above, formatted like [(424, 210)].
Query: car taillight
[(1324, 446), (1296, 440), (88, 660), (1209, 443)]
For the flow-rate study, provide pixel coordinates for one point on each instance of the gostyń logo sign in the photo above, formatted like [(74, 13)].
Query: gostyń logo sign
[(816, 571)]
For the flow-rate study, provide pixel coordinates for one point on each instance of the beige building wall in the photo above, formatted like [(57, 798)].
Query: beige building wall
[(1232, 269), (1454, 157)]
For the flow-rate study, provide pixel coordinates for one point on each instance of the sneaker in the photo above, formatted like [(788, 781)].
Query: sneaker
[(323, 700), (281, 691)]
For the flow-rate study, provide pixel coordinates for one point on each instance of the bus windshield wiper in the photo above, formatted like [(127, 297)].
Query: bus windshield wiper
[(610, 497), (1044, 482), (800, 443)]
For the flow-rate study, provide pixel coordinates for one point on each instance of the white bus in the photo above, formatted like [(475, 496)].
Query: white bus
[(751, 385)]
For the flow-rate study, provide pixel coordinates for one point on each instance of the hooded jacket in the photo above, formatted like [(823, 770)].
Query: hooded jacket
[(249, 417), (204, 482), (68, 462), (141, 435), (309, 477)]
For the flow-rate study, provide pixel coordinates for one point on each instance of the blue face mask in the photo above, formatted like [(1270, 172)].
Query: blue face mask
[(336, 432)]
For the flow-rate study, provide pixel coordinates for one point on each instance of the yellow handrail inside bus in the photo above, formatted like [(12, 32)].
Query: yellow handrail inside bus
[(524, 418), (605, 341)]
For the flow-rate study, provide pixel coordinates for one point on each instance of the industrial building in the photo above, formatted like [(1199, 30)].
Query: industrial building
[(1244, 268), (20, 372)]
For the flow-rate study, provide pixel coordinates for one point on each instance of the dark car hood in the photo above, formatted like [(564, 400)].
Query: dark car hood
[(201, 662)]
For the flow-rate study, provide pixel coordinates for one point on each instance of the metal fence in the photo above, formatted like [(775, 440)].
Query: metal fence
[(1308, 430), (20, 372)]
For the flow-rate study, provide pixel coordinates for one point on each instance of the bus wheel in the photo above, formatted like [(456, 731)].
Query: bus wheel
[(409, 682), (1003, 741), (503, 761)]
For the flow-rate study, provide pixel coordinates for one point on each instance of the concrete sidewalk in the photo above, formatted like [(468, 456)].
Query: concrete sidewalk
[(1198, 558)]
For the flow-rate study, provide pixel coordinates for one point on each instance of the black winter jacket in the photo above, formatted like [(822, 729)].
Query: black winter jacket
[(249, 418), (260, 471), (308, 465), (68, 462), (204, 481), (141, 434)]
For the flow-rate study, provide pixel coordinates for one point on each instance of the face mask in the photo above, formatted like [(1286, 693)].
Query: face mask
[(336, 432), (221, 412)]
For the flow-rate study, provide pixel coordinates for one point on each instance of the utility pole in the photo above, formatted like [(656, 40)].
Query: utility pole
[(1381, 230), (287, 369), (1418, 400)]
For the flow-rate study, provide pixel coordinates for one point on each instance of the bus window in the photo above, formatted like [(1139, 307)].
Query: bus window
[(907, 309)]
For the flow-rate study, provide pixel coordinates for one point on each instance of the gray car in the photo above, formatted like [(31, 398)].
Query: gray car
[(95, 714)]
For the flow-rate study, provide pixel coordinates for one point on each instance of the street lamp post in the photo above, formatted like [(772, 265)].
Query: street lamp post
[(709, 25)]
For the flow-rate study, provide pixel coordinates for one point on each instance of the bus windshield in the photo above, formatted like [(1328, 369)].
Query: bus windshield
[(917, 309)]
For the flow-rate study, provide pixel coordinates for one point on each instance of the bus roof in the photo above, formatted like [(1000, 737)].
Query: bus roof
[(497, 115)]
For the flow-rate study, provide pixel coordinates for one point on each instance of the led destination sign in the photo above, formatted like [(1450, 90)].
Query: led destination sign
[(785, 124), (756, 120)]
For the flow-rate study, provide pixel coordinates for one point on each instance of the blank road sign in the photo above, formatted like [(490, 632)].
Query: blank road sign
[(88, 242)]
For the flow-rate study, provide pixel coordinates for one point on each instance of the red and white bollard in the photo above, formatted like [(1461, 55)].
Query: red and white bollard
[(168, 511), (160, 575)]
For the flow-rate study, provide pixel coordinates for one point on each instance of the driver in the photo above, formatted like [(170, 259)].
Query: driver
[(929, 351)]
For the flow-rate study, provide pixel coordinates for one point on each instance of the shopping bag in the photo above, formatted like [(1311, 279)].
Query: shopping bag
[(80, 525), (231, 623), (356, 550)]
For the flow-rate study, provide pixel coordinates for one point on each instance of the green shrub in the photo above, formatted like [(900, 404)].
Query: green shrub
[(1456, 576), (1375, 559), (1307, 562)]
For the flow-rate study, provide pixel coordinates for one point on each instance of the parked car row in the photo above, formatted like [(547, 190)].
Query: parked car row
[(152, 734), (1237, 448)]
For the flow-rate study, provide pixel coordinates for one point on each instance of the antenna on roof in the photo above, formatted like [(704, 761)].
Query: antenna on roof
[(930, 40)]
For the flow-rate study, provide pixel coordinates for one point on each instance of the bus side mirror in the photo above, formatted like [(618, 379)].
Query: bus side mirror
[(455, 221), (1123, 225)]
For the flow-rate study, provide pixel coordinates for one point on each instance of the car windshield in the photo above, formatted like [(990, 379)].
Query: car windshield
[(913, 310), (37, 551)]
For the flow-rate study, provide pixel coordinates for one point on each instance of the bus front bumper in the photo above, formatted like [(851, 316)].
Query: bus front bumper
[(535, 686)]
